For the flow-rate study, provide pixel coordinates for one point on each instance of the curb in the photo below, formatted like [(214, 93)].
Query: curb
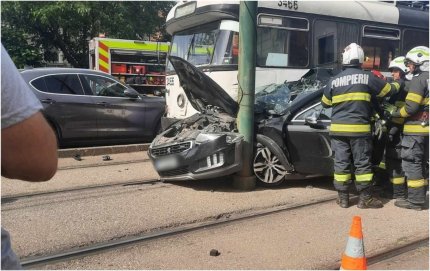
[(93, 151)]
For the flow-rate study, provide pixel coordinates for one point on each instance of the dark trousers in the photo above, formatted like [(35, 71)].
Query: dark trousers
[(352, 153), (415, 153), (393, 163)]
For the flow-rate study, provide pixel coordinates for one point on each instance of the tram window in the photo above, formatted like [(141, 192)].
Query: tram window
[(381, 32), (413, 38), (378, 53), (326, 50), (290, 44)]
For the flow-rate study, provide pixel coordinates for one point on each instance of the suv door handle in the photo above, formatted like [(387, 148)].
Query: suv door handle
[(103, 104), (48, 101)]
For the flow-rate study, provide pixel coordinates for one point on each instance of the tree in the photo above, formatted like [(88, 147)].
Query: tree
[(69, 25)]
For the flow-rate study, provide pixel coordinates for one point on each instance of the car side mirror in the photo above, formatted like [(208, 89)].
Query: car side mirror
[(312, 120), (131, 94)]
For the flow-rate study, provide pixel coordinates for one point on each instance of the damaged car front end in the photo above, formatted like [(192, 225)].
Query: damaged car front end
[(205, 145)]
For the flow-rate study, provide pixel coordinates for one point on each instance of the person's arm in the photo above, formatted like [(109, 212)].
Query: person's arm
[(29, 150)]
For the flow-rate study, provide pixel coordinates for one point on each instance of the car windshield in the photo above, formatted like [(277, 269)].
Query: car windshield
[(277, 98)]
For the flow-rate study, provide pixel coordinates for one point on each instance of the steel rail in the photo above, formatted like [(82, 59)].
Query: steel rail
[(32, 262), (105, 164), (393, 252), (387, 253), (12, 198)]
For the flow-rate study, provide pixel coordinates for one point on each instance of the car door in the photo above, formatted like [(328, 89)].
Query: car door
[(66, 105), (308, 140), (118, 116)]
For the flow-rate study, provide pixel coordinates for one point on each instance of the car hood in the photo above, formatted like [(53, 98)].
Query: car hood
[(201, 90)]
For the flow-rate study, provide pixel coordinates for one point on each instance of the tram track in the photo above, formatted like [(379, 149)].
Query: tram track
[(104, 164), (12, 198), (216, 221)]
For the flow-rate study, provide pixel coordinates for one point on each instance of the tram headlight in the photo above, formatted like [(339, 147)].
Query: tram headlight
[(181, 100)]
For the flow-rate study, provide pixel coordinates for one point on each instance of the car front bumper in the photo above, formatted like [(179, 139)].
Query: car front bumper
[(189, 160)]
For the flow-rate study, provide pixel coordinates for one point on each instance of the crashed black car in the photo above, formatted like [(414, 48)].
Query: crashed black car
[(291, 125)]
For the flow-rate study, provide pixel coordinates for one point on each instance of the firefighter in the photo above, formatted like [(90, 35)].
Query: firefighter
[(415, 142), (396, 188), (349, 94)]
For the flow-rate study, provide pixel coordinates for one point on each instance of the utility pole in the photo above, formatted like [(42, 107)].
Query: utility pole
[(245, 179)]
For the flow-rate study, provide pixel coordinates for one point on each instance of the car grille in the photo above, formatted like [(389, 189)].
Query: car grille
[(174, 172), (177, 148)]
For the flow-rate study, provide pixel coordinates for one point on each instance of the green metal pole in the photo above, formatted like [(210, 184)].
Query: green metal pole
[(245, 179)]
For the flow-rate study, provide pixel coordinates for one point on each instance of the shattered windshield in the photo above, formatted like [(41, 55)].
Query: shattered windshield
[(276, 98)]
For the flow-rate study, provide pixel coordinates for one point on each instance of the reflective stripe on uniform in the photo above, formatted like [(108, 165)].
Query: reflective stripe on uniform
[(425, 101), (382, 165), (354, 96), (414, 97), (325, 100), (385, 90), (397, 180), (366, 177), (355, 128), (403, 112), (342, 177), (415, 128), (416, 183)]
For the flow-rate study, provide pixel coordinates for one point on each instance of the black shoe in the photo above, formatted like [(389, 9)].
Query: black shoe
[(369, 203), (343, 199), (402, 203), (342, 203)]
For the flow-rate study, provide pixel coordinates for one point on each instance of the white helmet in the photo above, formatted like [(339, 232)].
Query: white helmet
[(353, 55), (399, 63), (418, 55)]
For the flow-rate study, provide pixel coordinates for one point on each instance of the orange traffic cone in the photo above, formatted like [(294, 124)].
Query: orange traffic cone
[(353, 258)]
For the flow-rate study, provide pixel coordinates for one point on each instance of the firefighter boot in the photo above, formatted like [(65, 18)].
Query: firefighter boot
[(402, 203), (366, 201), (343, 199)]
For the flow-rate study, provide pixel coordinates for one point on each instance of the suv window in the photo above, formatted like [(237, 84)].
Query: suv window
[(59, 84), (324, 113), (102, 86)]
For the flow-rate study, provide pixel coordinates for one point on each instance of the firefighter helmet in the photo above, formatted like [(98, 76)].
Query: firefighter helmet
[(399, 63), (353, 55), (418, 55)]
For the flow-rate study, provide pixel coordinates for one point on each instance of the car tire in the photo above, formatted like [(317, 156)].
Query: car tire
[(267, 162)]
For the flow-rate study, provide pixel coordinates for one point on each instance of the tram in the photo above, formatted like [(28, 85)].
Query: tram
[(292, 38)]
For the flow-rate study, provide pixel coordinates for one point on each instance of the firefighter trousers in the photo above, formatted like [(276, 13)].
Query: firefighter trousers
[(352, 154), (415, 154), (393, 164)]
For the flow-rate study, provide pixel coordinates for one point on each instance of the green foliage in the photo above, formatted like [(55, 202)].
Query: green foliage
[(69, 25)]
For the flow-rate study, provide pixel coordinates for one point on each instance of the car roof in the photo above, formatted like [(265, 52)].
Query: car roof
[(36, 72)]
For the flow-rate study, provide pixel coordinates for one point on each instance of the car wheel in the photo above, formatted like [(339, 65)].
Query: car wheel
[(267, 165)]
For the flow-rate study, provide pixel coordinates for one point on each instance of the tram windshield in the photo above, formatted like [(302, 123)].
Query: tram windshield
[(206, 45)]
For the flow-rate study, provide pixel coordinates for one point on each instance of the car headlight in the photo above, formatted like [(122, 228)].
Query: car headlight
[(206, 137)]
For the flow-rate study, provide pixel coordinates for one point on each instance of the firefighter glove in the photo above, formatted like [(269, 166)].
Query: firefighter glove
[(379, 128), (389, 109)]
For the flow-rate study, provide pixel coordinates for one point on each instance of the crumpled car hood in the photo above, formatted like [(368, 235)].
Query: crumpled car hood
[(191, 127), (201, 90)]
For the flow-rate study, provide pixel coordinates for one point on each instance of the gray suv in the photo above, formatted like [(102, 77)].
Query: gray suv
[(88, 108)]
